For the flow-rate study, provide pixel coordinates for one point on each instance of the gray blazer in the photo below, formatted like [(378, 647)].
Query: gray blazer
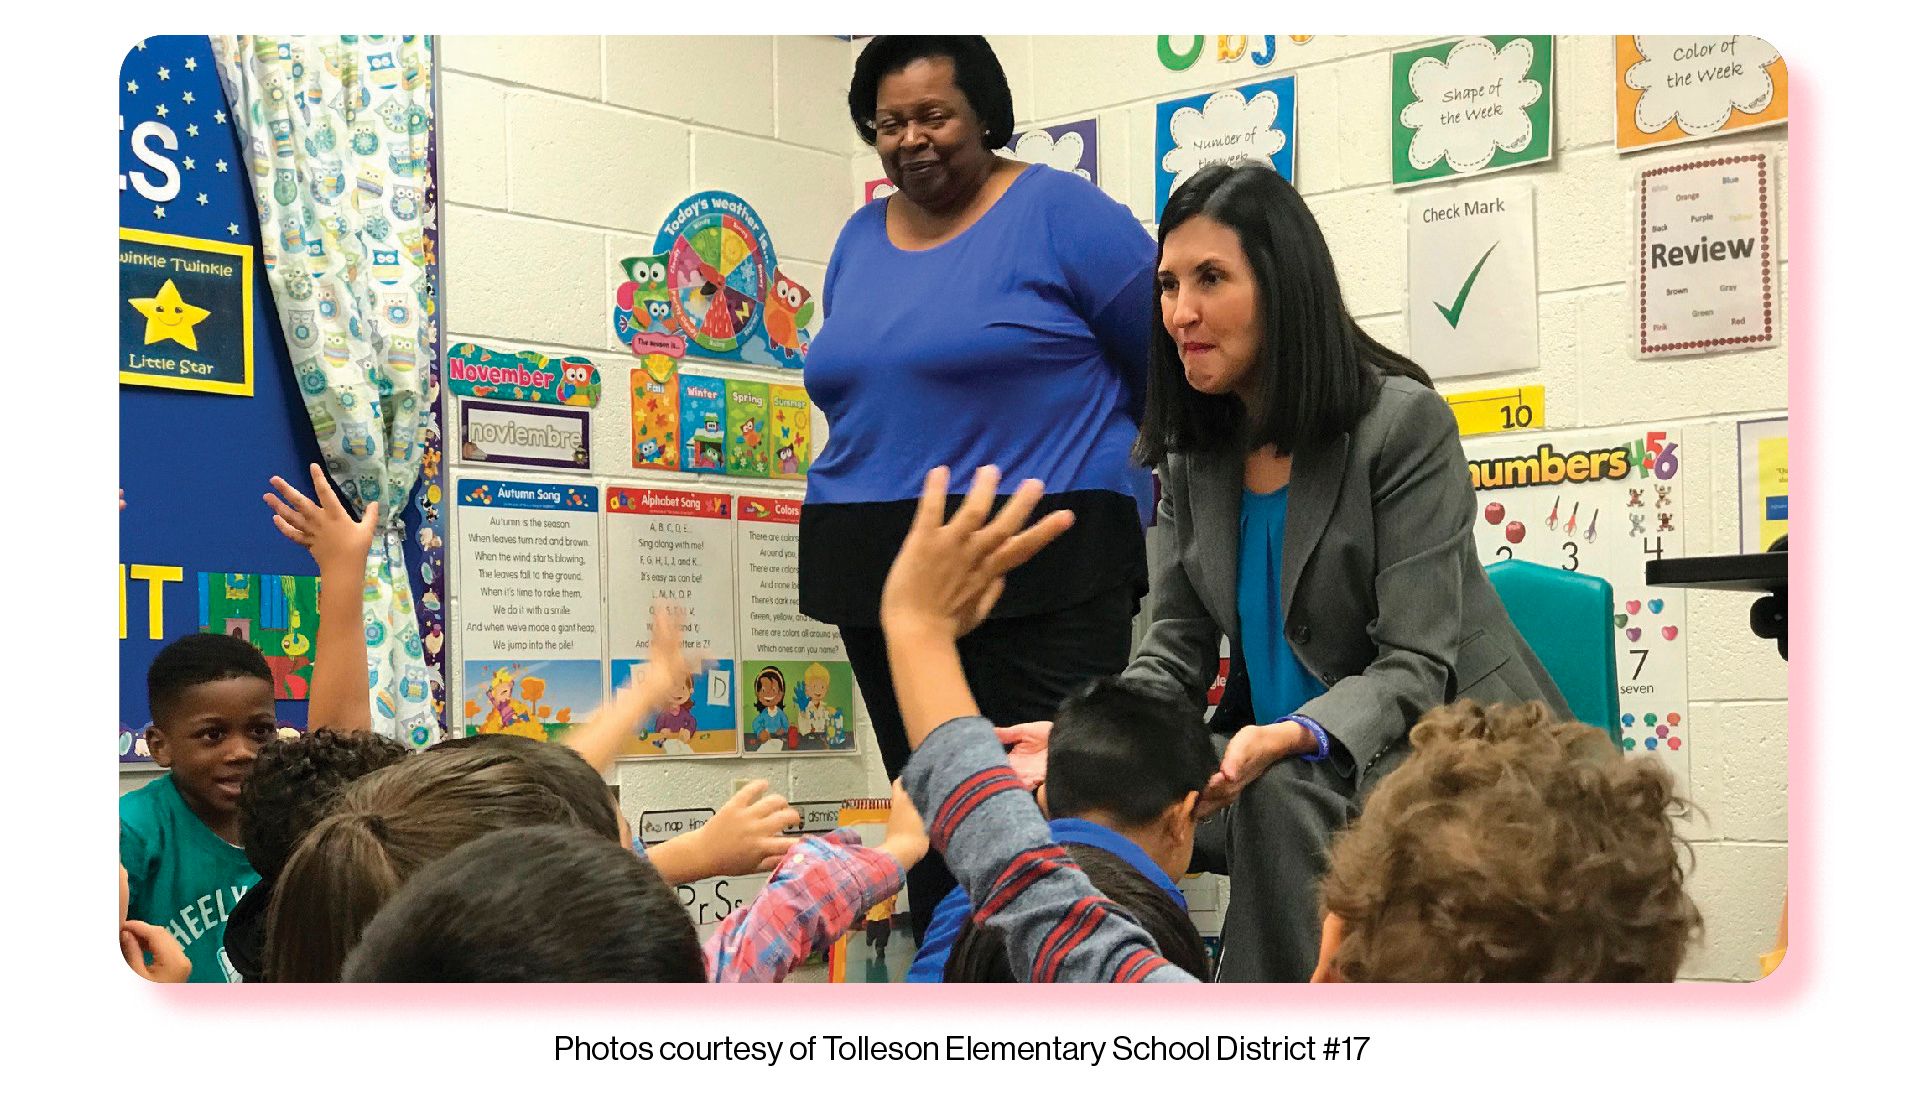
[(1384, 598)]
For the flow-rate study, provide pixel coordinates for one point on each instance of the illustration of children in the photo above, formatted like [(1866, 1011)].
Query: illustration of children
[(820, 723), (676, 723), (771, 724), (505, 714)]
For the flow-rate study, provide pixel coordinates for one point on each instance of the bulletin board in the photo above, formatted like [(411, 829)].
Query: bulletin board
[(1604, 502), (195, 456), (198, 548)]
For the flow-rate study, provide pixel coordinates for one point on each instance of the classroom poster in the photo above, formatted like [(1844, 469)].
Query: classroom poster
[(1255, 121), (876, 187), (1763, 463), (642, 312), (797, 692), (1070, 148), (714, 286), (654, 399), (525, 377), (1704, 276), (881, 944), (278, 614), (704, 444), (495, 433), (1603, 503), (1473, 279), (186, 302), (1471, 106), (677, 547), (707, 901), (186, 313), (747, 426), (531, 644), (791, 424), (1683, 88)]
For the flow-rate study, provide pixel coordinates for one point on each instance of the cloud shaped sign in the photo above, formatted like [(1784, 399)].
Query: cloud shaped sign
[(1472, 106), (1256, 121), (1698, 81), (1070, 148)]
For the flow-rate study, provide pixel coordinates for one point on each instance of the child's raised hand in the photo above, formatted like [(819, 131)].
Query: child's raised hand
[(906, 838), (745, 835), (322, 524), (668, 664), (170, 963), (949, 575)]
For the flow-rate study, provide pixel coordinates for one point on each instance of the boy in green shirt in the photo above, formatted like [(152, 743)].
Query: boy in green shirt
[(212, 700)]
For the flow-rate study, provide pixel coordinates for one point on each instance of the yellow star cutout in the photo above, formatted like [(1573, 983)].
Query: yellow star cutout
[(169, 318)]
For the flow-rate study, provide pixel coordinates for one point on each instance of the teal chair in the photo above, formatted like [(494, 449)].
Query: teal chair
[(1566, 619)]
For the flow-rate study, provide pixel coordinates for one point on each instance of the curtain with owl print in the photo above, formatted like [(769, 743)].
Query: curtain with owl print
[(336, 134)]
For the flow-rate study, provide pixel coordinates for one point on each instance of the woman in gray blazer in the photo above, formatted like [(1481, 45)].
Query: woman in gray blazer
[(1316, 510)]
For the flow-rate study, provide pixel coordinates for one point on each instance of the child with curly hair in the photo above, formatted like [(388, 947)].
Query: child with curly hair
[(1510, 847)]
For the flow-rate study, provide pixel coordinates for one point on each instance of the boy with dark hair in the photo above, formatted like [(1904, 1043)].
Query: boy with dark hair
[(294, 783), (212, 699), (1127, 765)]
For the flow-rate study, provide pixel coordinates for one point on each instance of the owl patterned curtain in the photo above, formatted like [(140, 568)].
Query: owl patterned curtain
[(336, 134)]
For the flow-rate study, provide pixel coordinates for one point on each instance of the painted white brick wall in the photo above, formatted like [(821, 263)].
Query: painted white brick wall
[(1737, 682), (562, 160)]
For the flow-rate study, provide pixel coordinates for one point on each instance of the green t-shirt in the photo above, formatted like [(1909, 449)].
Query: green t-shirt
[(181, 876)]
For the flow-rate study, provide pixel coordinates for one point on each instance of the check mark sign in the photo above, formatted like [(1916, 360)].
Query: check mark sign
[(1455, 313)]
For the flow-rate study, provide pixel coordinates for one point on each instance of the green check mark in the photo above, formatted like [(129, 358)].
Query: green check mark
[(1455, 313)]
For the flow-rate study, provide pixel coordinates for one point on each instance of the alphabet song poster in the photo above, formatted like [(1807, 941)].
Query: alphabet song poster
[(1707, 246)]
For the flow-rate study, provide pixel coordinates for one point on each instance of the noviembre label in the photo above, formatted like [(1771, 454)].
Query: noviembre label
[(513, 434)]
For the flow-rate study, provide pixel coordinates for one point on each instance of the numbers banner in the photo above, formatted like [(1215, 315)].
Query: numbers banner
[(1603, 503)]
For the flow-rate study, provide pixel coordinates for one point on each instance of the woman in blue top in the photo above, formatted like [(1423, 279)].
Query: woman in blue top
[(989, 312), (1317, 509)]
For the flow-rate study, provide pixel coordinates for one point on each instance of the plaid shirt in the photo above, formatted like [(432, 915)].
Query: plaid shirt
[(821, 889)]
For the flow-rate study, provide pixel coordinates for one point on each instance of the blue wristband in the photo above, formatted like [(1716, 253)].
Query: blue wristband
[(1315, 729)]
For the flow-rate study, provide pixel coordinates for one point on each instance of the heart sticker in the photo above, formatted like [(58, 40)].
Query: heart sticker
[(1656, 606), (1621, 620), (1632, 606), (1669, 633), (1635, 633)]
